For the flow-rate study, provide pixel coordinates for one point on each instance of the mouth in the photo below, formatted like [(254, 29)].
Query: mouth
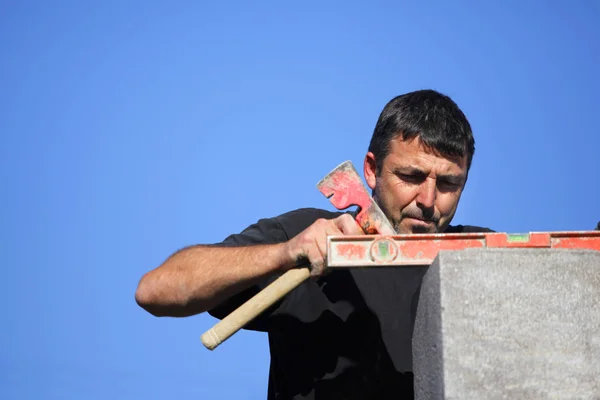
[(419, 221)]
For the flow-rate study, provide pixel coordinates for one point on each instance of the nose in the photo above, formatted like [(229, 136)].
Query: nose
[(427, 194)]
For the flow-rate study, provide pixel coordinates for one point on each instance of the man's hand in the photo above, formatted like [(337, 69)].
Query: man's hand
[(310, 246)]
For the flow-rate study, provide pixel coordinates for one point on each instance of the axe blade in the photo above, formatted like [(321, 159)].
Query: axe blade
[(344, 188)]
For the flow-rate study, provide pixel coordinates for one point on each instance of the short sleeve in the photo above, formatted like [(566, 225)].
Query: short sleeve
[(265, 231)]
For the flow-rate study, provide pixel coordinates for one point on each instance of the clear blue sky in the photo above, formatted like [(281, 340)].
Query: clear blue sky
[(130, 129)]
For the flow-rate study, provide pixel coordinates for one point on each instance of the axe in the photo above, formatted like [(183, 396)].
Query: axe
[(344, 188)]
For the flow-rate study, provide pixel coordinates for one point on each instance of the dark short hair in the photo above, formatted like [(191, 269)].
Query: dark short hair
[(433, 117)]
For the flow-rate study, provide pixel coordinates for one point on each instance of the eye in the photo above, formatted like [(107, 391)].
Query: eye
[(411, 178), (448, 186)]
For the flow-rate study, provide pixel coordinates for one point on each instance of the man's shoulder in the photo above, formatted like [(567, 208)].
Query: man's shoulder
[(467, 229), (278, 228), (308, 213), (289, 224), (295, 221)]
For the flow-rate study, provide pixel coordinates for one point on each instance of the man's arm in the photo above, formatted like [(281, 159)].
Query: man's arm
[(198, 278)]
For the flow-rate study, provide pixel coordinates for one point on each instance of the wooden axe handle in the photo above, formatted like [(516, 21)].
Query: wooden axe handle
[(344, 188), (253, 307)]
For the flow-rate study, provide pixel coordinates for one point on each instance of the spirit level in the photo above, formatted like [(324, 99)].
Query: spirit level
[(421, 249)]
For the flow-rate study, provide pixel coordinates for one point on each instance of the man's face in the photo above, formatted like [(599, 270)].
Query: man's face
[(417, 189)]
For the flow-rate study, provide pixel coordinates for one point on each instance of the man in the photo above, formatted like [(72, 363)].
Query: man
[(345, 334)]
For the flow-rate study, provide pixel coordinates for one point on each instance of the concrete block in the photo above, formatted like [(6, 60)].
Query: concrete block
[(509, 324)]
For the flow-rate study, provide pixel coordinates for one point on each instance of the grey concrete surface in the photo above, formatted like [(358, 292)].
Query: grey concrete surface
[(509, 324)]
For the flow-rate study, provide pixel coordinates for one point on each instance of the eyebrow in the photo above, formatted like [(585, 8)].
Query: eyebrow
[(450, 178), (408, 171)]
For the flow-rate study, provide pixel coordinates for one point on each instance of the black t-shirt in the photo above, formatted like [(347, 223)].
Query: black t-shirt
[(346, 335)]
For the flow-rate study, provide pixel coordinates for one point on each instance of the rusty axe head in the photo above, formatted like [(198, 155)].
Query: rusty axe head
[(344, 188)]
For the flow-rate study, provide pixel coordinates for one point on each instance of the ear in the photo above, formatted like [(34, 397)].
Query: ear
[(370, 170)]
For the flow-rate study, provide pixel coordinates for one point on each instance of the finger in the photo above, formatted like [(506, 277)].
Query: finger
[(329, 228), (332, 228), (348, 225), (317, 262)]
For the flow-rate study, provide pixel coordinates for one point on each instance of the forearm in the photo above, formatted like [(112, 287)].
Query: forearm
[(198, 278)]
